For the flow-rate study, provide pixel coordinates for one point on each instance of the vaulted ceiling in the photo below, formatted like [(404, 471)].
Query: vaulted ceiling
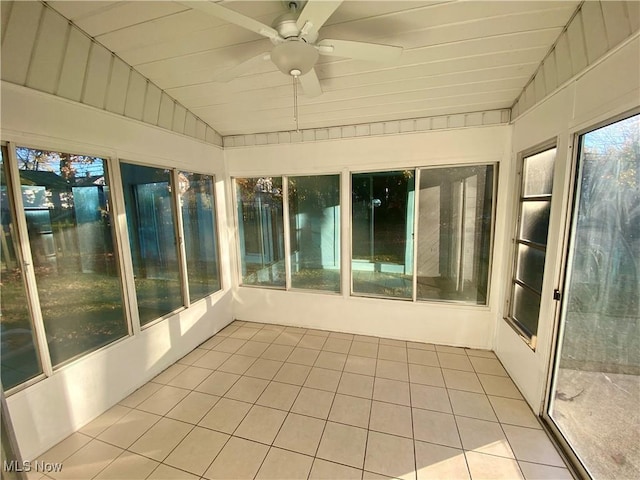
[(459, 56)]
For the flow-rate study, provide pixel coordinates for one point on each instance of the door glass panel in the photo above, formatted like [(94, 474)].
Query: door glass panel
[(151, 225), (535, 221), (200, 235), (526, 307), (314, 227), (530, 266), (261, 231), (19, 355), (596, 392), (382, 233), (67, 208), (538, 173), (454, 233)]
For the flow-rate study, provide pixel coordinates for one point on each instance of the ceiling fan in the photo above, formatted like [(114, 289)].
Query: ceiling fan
[(294, 35)]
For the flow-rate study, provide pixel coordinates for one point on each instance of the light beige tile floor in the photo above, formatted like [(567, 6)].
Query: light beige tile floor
[(274, 402)]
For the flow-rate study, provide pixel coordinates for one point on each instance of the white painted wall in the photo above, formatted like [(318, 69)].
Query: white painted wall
[(449, 324), (48, 411), (609, 88)]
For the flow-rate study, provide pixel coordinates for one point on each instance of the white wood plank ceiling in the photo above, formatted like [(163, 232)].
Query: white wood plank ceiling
[(459, 56)]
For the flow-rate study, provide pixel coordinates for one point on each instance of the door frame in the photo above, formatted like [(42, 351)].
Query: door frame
[(567, 238)]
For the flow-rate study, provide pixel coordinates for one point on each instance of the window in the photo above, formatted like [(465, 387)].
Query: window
[(19, 355), (453, 213), (70, 302), (531, 242), (314, 230), (454, 233), (312, 208), (261, 231), (68, 215), (197, 203), (152, 237), (382, 209)]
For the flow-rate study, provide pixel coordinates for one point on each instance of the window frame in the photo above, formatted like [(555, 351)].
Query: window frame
[(349, 212), (137, 325), (346, 205), (121, 246), (286, 232), (415, 237), (26, 259), (216, 233), (492, 232), (235, 198), (28, 275)]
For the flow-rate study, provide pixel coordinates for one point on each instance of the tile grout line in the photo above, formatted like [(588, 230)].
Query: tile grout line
[(194, 426), (271, 380), (270, 446), (239, 423)]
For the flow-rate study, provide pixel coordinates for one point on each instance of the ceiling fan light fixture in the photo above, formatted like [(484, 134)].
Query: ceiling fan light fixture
[(294, 57)]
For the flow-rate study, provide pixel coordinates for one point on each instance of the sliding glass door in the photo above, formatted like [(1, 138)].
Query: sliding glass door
[(594, 401)]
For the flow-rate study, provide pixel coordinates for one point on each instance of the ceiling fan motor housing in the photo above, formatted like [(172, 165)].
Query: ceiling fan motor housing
[(286, 26)]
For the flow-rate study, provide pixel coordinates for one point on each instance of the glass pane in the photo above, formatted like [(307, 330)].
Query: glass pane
[(261, 231), (198, 222), (538, 173), (19, 360), (68, 213), (597, 386), (530, 266), (534, 224), (454, 233), (382, 233), (526, 309), (314, 217), (151, 224)]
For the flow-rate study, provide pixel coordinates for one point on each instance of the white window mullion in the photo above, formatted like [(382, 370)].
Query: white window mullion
[(345, 233), (123, 247), (287, 232), (179, 229), (26, 260), (414, 237), (235, 198)]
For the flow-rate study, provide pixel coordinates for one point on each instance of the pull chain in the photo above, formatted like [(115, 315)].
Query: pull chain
[(295, 101)]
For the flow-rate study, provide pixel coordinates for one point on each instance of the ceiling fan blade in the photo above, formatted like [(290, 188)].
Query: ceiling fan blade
[(231, 16), (244, 67), (359, 50), (310, 84), (314, 14)]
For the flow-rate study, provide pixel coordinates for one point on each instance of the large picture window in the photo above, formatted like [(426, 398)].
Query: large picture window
[(431, 244), (66, 202), (261, 231), (197, 204), (454, 233), (314, 230), (152, 237)]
